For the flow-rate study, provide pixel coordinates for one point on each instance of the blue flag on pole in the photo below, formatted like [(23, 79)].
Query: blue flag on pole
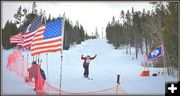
[(156, 53)]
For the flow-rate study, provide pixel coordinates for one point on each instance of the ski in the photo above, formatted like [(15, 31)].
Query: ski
[(90, 78)]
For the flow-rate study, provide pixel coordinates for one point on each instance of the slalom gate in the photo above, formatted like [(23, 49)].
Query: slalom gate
[(17, 64)]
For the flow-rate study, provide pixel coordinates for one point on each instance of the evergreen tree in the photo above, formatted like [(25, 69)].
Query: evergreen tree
[(34, 8), (81, 33), (19, 15), (10, 29), (96, 33), (49, 18)]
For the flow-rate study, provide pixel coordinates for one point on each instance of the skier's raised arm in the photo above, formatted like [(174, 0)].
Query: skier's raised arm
[(93, 57), (82, 57)]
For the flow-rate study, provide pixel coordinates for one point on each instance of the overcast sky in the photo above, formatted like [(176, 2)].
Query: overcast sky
[(89, 13)]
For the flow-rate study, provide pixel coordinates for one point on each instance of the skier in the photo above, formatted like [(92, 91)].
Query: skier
[(86, 63)]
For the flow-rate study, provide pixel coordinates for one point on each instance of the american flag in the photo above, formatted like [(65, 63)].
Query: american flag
[(20, 44), (16, 38), (48, 38), (31, 30)]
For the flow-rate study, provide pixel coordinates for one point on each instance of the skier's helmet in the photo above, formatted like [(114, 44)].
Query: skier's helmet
[(88, 56)]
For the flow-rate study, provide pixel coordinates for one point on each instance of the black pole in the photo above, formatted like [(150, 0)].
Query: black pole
[(61, 72), (61, 52), (118, 79), (38, 59), (47, 69)]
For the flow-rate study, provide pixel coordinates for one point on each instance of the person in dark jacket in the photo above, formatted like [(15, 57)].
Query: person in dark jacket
[(33, 73), (86, 63)]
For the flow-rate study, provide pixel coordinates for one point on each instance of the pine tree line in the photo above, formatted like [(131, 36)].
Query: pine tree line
[(147, 30)]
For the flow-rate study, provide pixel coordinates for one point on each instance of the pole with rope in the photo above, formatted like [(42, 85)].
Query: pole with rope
[(117, 85), (62, 30)]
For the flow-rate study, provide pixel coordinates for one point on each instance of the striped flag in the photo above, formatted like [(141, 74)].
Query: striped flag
[(16, 38), (31, 30), (48, 38), (20, 44)]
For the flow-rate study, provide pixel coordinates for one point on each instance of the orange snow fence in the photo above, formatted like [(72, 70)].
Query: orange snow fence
[(17, 64), (39, 83)]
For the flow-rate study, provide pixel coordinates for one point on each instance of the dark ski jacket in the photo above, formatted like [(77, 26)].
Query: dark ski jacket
[(43, 74)]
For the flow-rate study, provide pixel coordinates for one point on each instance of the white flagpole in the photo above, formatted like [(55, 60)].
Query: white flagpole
[(62, 52), (46, 55)]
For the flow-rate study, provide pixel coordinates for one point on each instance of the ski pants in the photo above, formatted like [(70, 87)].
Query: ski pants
[(86, 70)]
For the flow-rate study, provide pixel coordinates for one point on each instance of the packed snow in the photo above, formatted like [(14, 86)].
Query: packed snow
[(103, 69)]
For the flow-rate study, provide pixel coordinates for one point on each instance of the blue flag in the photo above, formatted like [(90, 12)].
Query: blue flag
[(156, 53)]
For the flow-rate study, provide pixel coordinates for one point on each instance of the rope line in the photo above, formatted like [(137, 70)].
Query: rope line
[(89, 92)]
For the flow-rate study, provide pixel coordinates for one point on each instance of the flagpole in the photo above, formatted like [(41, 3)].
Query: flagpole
[(164, 57), (164, 61), (169, 69), (62, 52), (27, 65), (38, 55), (47, 69), (46, 53)]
